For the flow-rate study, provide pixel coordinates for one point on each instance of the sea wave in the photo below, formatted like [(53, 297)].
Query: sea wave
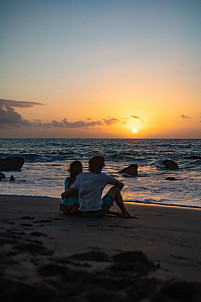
[(46, 161)]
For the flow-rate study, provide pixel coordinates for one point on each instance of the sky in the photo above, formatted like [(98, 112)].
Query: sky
[(100, 69)]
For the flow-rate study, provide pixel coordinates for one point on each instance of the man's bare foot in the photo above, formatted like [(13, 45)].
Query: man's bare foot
[(127, 215), (115, 213)]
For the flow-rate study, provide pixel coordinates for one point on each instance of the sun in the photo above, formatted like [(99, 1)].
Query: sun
[(134, 130)]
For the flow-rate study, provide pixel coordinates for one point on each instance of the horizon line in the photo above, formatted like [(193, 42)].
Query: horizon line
[(99, 138)]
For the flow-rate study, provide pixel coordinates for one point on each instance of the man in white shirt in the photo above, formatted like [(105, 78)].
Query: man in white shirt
[(90, 186)]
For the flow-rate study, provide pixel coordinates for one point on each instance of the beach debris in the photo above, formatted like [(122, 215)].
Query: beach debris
[(11, 163), (170, 164), (2, 176), (130, 170)]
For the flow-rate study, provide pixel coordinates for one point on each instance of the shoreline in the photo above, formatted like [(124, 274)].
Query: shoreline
[(42, 251), (127, 202)]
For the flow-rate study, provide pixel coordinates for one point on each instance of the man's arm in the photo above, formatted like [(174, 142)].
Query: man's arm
[(119, 184), (68, 192)]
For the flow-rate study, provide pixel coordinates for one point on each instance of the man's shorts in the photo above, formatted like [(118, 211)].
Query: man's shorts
[(107, 203)]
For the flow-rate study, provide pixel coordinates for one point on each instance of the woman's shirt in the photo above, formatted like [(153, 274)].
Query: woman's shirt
[(71, 200)]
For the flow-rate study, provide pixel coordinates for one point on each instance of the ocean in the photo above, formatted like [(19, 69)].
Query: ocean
[(46, 162)]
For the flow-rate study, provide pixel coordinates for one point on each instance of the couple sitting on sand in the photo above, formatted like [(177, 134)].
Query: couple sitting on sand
[(83, 191)]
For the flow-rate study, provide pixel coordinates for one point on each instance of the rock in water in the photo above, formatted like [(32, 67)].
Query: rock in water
[(12, 178), (130, 170), (170, 164), (170, 178), (2, 176), (11, 163)]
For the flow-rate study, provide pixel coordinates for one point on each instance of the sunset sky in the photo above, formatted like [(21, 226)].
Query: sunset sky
[(88, 68)]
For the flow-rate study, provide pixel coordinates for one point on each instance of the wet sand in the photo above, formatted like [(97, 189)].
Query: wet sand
[(48, 256)]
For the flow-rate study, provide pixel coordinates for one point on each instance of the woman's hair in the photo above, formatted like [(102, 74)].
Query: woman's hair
[(75, 168), (96, 163)]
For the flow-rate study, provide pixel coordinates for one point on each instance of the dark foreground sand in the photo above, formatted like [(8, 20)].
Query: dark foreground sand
[(46, 256)]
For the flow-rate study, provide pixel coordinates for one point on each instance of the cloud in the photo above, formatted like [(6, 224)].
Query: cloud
[(78, 124), (135, 117), (110, 121), (65, 124), (185, 117), (10, 118), (20, 104)]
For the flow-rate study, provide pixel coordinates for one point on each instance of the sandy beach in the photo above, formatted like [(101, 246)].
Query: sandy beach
[(47, 256)]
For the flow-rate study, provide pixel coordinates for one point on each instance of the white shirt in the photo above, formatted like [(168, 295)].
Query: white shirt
[(90, 187)]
